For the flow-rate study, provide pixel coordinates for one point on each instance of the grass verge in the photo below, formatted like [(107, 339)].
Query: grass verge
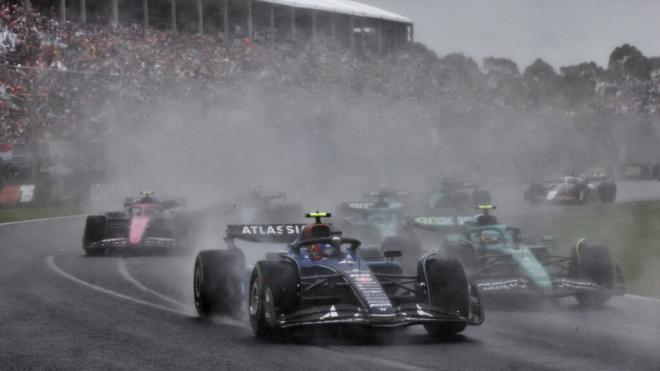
[(631, 231), (18, 214)]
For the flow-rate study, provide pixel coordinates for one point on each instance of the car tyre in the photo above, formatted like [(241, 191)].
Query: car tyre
[(274, 290), (593, 262), (607, 192), (217, 282), (94, 232), (448, 290)]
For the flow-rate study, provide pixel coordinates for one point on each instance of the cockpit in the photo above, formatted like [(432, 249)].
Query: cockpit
[(148, 210), (494, 237)]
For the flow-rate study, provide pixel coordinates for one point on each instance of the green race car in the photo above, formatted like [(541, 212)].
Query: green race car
[(500, 263)]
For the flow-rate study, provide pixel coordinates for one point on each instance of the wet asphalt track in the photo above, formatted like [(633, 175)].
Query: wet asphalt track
[(62, 310)]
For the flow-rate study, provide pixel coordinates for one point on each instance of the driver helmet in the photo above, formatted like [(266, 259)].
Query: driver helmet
[(146, 197), (489, 237), (318, 251)]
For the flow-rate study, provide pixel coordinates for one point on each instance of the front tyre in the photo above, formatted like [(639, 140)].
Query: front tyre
[(594, 263), (217, 282), (447, 290), (274, 290)]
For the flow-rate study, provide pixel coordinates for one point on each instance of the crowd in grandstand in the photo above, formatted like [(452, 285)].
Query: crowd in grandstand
[(57, 75)]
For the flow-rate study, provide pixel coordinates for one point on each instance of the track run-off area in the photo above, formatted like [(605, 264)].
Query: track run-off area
[(61, 309)]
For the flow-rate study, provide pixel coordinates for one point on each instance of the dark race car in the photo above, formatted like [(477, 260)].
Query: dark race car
[(146, 225), (321, 279), (589, 187), (452, 198), (258, 206), (387, 194), (501, 264), (382, 223)]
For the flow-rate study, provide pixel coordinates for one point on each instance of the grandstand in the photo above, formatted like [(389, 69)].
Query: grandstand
[(355, 24)]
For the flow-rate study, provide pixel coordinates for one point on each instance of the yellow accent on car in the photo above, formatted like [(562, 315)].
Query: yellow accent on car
[(486, 207), (318, 214)]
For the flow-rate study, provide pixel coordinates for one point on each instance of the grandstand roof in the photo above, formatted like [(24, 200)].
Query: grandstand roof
[(343, 7)]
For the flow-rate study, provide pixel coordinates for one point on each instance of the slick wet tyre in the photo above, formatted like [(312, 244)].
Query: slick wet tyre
[(94, 232), (217, 282), (274, 290), (607, 192), (593, 263), (448, 290)]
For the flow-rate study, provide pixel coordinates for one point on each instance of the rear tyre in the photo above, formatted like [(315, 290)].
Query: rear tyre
[(217, 282), (534, 193), (274, 290), (582, 196), (594, 263), (607, 192), (448, 290), (94, 232)]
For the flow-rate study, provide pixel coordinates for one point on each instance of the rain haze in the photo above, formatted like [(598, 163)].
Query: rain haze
[(158, 159)]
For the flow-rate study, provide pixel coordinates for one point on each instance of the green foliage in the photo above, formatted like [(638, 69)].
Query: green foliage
[(578, 83), (500, 66), (627, 60)]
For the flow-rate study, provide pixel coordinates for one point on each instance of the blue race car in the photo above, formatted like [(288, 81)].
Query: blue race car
[(321, 279)]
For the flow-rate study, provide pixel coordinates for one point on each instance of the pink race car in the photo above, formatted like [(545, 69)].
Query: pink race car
[(146, 225)]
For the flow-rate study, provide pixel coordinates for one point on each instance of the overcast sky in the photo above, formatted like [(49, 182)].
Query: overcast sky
[(562, 32)]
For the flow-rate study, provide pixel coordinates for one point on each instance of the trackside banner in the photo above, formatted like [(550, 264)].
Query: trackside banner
[(14, 194), (273, 233)]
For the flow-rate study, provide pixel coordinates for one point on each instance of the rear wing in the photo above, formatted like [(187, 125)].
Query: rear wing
[(262, 233), (164, 202), (265, 195), (366, 206), (458, 185), (443, 223)]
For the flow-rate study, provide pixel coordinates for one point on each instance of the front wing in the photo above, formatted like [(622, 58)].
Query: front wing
[(404, 315), (149, 243)]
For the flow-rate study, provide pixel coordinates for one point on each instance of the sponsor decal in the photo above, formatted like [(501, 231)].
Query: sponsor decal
[(502, 285), (271, 230), (27, 192), (372, 291), (372, 205), (331, 314), (360, 205), (443, 220)]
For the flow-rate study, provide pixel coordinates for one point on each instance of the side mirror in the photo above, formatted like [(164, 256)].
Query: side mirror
[(392, 253)]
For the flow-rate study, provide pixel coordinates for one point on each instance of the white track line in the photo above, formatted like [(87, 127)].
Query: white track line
[(123, 269), (51, 263), (645, 298), (42, 219)]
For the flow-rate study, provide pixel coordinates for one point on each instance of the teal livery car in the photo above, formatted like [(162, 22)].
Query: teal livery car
[(500, 263)]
